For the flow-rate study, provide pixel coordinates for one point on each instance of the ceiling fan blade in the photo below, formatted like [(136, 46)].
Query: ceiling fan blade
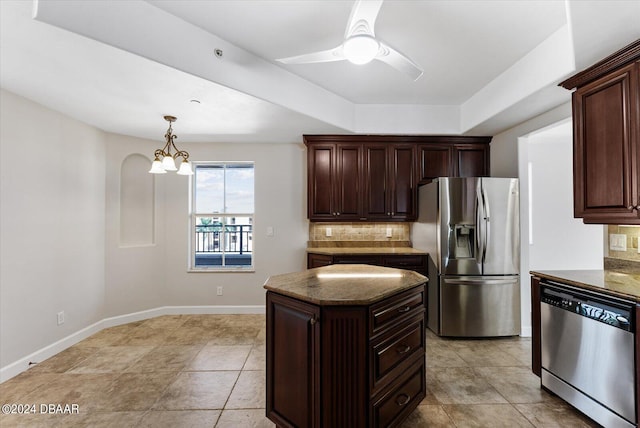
[(329, 55), (363, 17), (398, 61)]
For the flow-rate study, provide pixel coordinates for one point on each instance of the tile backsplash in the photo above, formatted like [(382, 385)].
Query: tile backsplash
[(632, 233), (359, 234)]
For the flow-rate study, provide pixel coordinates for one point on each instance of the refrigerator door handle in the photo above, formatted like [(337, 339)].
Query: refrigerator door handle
[(481, 223), (477, 242), (487, 224), (459, 281)]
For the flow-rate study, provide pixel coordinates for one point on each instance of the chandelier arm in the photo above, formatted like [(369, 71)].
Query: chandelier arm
[(184, 154)]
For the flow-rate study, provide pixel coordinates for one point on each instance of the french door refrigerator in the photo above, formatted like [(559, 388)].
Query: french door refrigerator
[(471, 229)]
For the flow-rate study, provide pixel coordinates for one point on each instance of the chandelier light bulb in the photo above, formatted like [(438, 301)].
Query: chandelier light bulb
[(168, 163), (185, 168), (156, 167)]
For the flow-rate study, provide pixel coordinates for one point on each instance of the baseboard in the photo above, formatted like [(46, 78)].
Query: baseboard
[(17, 367)]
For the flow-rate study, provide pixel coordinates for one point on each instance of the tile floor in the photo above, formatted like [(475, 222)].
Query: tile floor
[(208, 371)]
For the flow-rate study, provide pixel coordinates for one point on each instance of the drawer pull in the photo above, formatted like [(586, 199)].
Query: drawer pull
[(407, 308), (403, 349), (402, 399)]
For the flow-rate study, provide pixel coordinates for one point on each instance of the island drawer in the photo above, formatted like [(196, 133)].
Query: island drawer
[(397, 309), (392, 406), (392, 352)]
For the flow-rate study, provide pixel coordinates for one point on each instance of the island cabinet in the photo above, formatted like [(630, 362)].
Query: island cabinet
[(606, 125), (376, 177), (338, 356)]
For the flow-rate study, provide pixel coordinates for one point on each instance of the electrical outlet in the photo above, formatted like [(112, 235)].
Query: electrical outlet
[(328, 231), (270, 231), (219, 291), (60, 317), (389, 232), (618, 242)]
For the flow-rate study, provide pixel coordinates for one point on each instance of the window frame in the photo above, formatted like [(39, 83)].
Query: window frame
[(193, 221)]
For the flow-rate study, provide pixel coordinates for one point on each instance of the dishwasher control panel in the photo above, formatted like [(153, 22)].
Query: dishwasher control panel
[(609, 310)]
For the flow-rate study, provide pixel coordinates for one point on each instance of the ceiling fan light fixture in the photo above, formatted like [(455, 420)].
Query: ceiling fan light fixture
[(360, 49)]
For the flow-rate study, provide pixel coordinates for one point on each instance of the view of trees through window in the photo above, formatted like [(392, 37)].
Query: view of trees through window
[(222, 215)]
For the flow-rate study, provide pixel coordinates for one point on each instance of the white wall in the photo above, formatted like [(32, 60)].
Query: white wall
[(52, 216), (149, 276), (61, 239), (557, 239), (509, 158), (504, 146)]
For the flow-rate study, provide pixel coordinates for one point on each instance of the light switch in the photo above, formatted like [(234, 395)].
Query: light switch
[(618, 242), (389, 232), (270, 231)]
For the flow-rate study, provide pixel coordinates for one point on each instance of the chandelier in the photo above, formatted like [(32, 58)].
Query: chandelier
[(165, 161)]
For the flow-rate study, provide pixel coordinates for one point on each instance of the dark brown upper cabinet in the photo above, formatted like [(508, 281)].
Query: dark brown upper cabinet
[(606, 139), (335, 181), (376, 177), (452, 157), (390, 182)]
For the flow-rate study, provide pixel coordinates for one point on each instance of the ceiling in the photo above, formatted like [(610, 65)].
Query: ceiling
[(122, 65)]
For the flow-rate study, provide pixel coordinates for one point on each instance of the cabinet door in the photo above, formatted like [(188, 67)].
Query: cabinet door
[(318, 260), (605, 153), (402, 194), (471, 160), (434, 160), (321, 181), (348, 183), (376, 205), (293, 362)]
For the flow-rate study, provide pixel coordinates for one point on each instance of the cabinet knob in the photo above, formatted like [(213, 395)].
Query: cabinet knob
[(313, 321), (403, 399), (403, 349)]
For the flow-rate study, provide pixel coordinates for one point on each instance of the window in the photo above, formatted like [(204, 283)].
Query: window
[(222, 216)]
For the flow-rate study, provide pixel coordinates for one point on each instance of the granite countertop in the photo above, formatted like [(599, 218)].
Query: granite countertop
[(625, 285), (332, 251), (344, 284)]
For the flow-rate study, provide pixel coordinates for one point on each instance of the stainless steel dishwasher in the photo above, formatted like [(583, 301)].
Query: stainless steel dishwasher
[(588, 352)]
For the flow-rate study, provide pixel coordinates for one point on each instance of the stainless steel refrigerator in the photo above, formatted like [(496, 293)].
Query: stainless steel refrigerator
[(471, 229)]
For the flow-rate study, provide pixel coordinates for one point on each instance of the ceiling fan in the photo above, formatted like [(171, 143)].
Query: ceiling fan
[(360, 45)]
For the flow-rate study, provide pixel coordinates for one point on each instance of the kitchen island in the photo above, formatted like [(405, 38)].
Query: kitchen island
[(345, 346), (586, 340)]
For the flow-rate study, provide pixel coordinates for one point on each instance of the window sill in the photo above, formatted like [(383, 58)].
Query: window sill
[(228, 270)]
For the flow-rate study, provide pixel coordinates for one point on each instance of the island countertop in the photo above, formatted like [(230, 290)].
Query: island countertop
[(344, 284), (625, 285)]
